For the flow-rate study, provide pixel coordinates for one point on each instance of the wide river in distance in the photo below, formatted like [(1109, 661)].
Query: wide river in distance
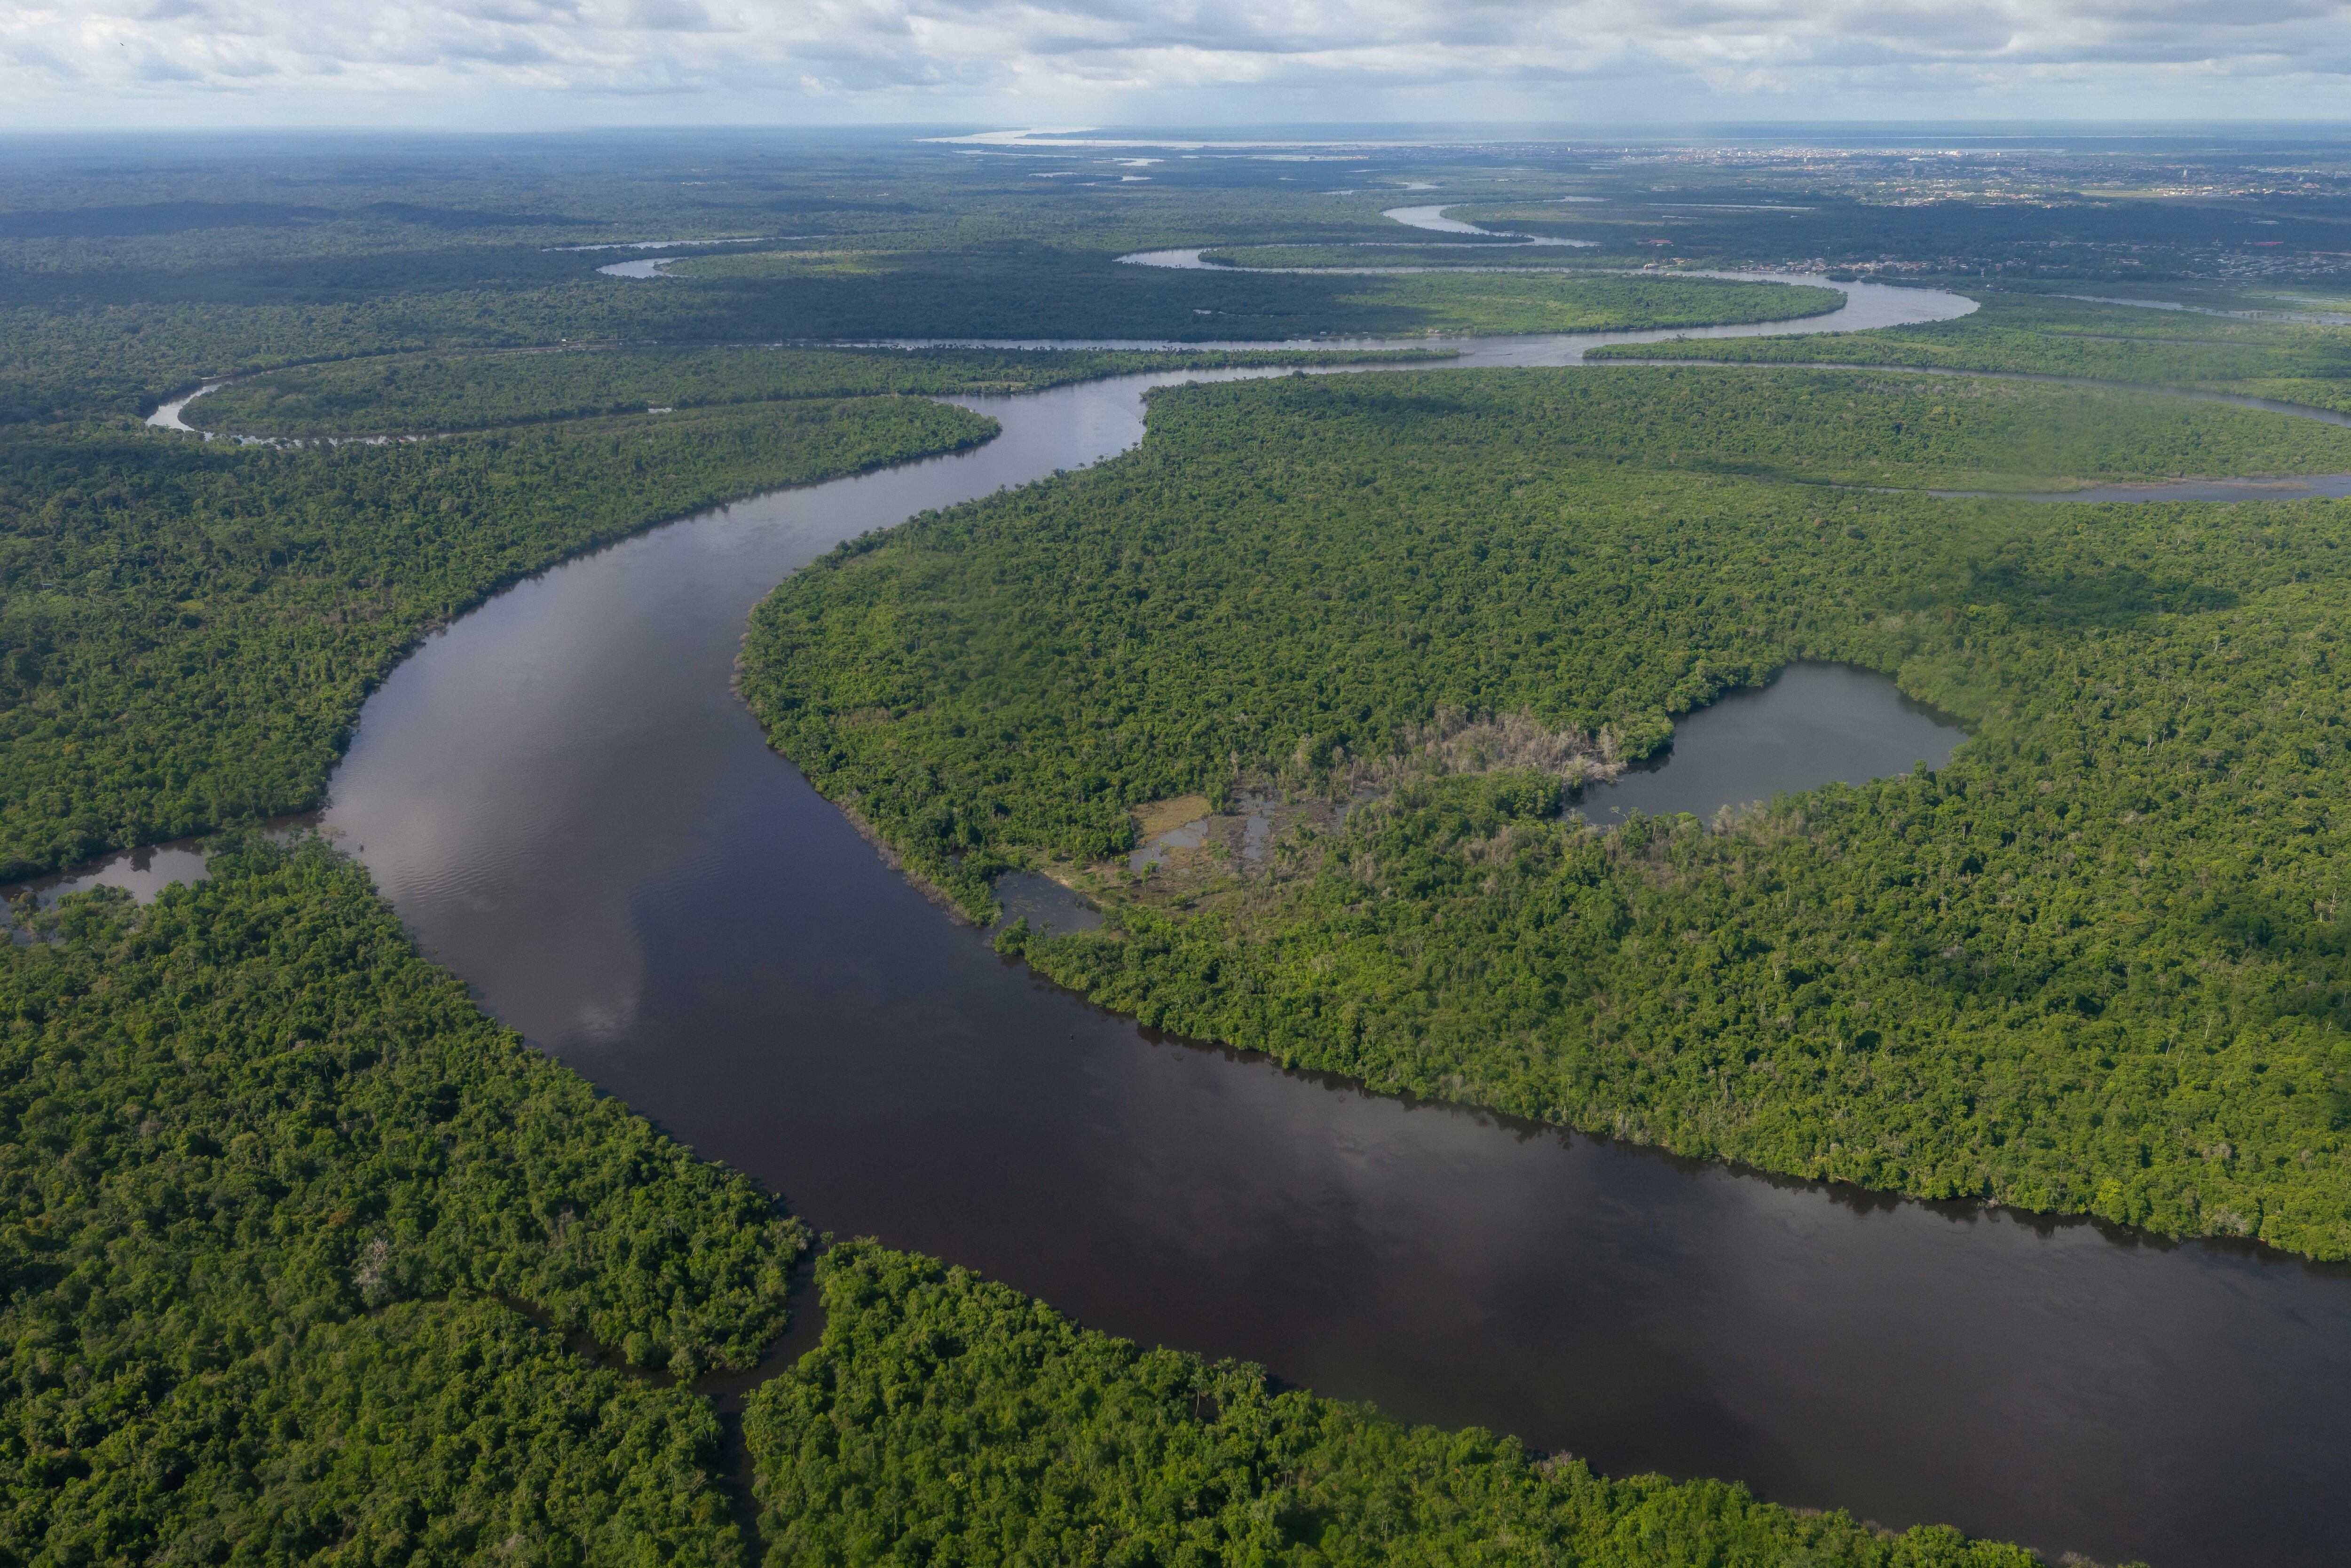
[(572, 810)]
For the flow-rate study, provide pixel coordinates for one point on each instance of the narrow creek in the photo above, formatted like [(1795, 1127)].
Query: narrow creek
[(570, 809)]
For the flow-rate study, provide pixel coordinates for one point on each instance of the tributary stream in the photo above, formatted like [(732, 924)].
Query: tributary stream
[(572, 810)]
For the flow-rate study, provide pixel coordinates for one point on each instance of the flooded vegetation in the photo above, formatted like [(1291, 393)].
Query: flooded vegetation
[(1810, 725)]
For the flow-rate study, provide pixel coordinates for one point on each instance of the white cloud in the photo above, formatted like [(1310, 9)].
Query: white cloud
[(671, 16), (576, 61)]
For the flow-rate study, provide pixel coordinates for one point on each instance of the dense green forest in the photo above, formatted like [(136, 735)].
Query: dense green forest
[(2092, 964), (268, 1182), (2041, 335), (947, 1420), (1007, 297), (467, 392), (303, 1259), (122, 279), (74, 357), (2071, 234), (1829, 427), (274, 1197), (1447, 250), (188, 629), (118, 307)]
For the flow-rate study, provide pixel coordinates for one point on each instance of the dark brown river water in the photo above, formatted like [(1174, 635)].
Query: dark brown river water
[(573, 812)]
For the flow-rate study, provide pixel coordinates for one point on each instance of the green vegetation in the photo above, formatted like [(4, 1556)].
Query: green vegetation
[(2312, 391), (270, 1186), (2057, 233), (122, 279), (2273, 302), (122, 350), (944, 1418), (2045, 336), (1465, 250), (470, 392), (2093, 964), (1839, 428), (187, 630), (290, 1234), (74, 358), (267, 1177), (836, 295)]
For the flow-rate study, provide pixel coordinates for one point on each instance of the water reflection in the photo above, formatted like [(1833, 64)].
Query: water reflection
[(565, 803), (142, 872), (1815, 724)]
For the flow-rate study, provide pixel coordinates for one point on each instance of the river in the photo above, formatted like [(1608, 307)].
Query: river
[(570, 807)]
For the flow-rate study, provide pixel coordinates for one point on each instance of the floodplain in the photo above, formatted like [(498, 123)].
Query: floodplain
[(1422, 1079)]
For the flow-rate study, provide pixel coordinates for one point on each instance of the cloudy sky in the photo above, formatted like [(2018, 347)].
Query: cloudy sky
[(565, 63)]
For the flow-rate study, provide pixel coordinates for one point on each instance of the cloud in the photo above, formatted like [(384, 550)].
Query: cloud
[(155, 69), (670, 16), (30, 59), (918, 58)]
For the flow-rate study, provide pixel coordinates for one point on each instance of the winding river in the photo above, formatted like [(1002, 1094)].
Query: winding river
[(570, 809)]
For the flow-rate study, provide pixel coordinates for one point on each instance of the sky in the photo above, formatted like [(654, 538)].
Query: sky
[(566, 64)]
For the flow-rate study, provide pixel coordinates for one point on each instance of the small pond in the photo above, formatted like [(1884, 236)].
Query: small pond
[(1815, 723), (142, 872)]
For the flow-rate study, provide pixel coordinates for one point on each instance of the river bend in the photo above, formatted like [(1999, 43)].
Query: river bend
[(571, 809)]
